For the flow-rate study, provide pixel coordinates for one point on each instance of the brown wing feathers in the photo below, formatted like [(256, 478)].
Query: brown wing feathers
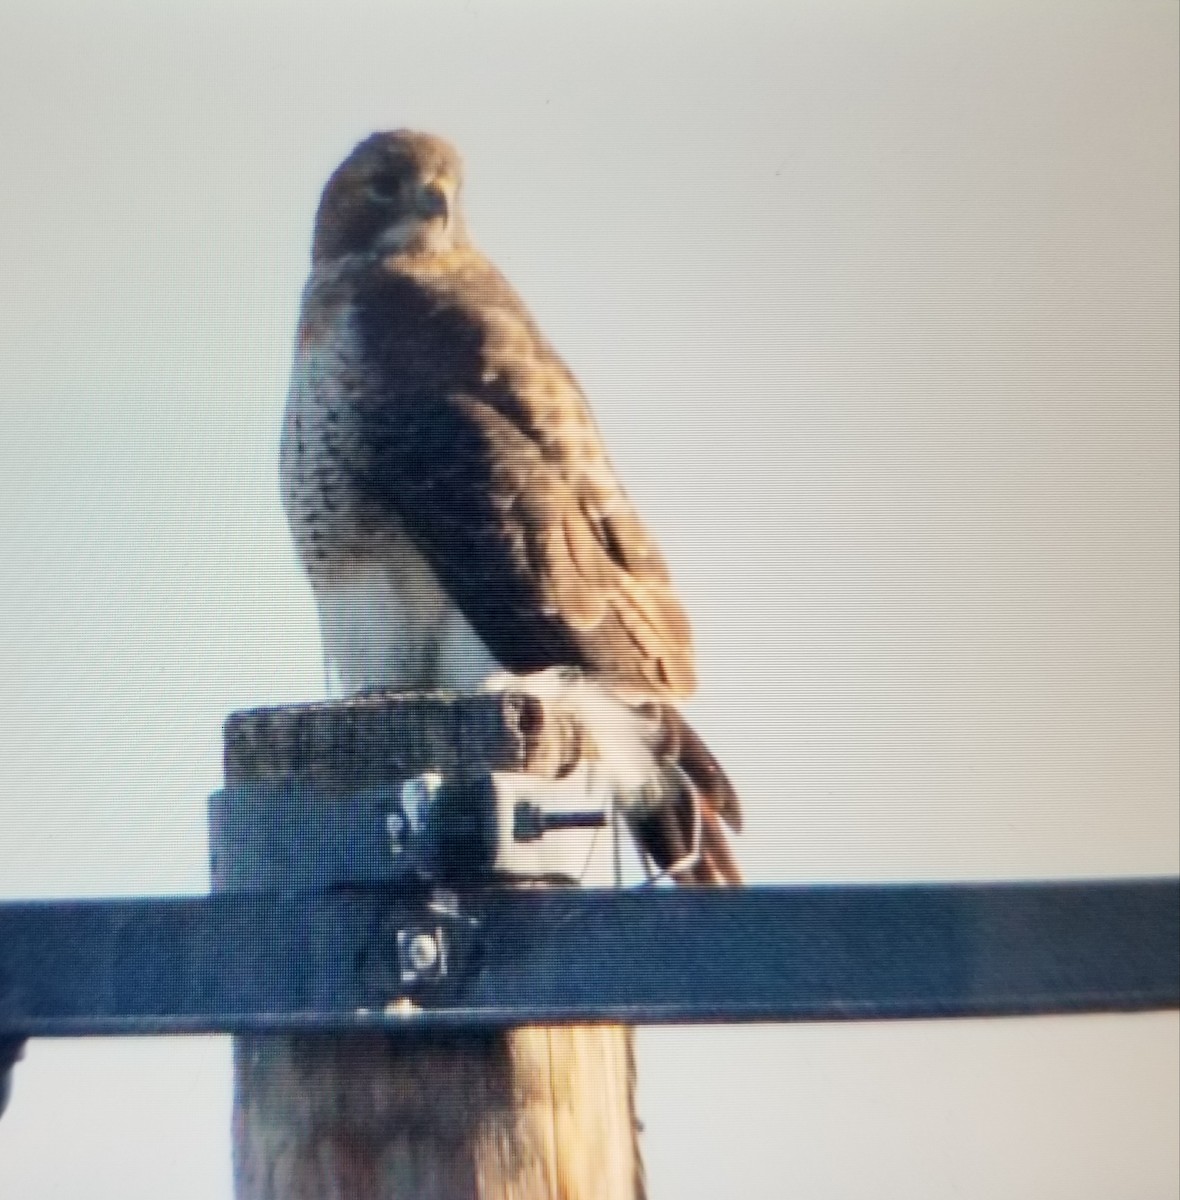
[(481, 443)]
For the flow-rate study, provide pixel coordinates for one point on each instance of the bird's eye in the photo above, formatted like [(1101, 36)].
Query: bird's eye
[(384, 188)]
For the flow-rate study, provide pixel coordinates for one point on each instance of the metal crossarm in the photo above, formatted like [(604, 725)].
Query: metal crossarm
[(424, 958)]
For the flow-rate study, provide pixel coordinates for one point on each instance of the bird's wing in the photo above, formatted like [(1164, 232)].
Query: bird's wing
[(480, 444)]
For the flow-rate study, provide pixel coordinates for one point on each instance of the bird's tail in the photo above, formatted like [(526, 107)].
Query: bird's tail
[(683, 828)]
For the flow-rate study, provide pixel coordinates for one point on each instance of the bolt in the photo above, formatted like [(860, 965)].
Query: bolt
[(422, 952), (531, 821)]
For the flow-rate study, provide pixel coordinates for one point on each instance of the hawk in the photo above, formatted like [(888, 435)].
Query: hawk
[(452, 503)]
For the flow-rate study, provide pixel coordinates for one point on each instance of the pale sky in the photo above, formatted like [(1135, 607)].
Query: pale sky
[(877, 304)]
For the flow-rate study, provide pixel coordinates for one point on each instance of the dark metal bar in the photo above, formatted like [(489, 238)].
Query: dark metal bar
[(10, 1049), (410, 958)]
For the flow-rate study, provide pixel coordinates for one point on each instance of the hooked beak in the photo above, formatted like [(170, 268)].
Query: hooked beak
[(433, 201)]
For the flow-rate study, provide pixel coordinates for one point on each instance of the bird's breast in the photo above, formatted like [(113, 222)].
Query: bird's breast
[(321, 455), (387, 622), (385, 618)]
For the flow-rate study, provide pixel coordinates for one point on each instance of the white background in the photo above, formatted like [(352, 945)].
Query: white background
[(877, 305)]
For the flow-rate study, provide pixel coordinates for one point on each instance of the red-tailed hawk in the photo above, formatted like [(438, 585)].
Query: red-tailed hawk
[(453, 505)]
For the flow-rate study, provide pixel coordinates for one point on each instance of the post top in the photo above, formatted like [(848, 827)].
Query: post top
[(376, 736)]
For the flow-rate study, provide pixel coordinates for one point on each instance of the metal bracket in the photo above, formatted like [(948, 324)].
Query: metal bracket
[(414, 835), (419, 954), (431, 828)]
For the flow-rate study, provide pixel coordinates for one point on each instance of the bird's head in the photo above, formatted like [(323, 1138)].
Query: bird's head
[(396, 193)]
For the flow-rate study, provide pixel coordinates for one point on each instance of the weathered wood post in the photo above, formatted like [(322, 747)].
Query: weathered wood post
[(524, 1114)]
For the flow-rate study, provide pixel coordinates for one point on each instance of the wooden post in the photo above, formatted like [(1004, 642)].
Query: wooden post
[(528, 1114)]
